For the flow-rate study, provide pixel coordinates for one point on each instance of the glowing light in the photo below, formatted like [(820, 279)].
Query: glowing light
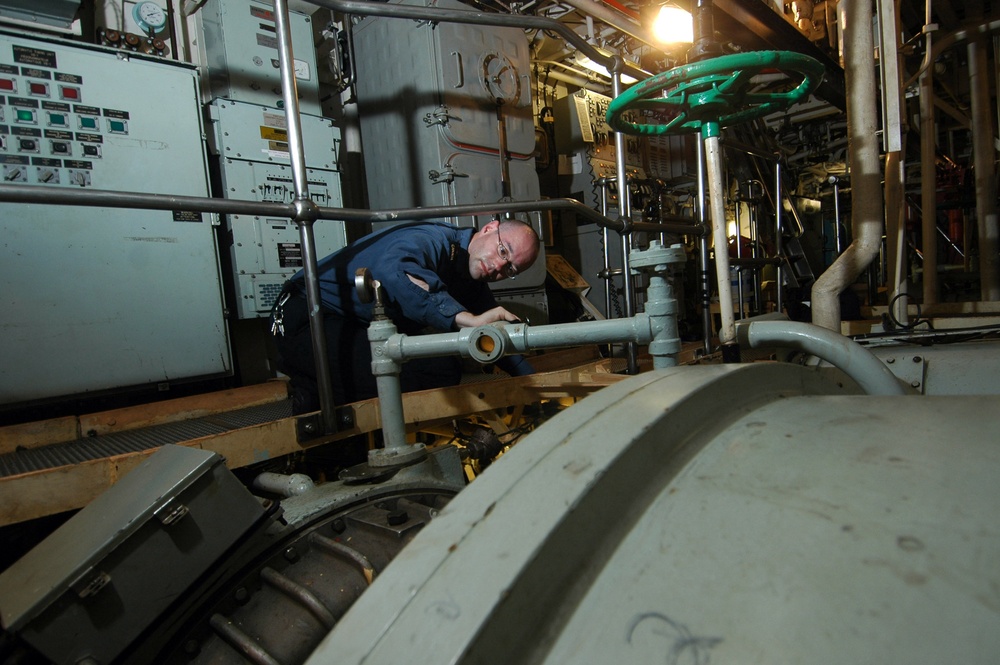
[(673, 25)]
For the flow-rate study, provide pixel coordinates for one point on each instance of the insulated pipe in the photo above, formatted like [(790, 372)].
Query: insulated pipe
[(844, 354), (779, 201), (984, 153), (866, 176), (717, 205), (284, 484)]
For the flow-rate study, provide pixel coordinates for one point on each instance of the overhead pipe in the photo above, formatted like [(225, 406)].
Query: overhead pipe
[(866, 175), (615, 19)]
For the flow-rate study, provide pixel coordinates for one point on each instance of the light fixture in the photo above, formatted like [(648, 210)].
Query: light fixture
[(673, 25), (587, 63)]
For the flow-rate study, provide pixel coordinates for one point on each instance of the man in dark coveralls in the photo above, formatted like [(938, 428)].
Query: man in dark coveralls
[(435, 277)]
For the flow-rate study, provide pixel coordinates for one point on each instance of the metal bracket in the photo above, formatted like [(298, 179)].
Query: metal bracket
[(310, 427), (171, 512), (446, 174), (439, 116)]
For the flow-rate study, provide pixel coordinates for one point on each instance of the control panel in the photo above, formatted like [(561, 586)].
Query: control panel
[(103, 298), (48, 134), (249, 144)]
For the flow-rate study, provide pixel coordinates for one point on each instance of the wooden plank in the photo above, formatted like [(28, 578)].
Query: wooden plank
[(941, 309), (39, 433), (182, 408), (49, 491)]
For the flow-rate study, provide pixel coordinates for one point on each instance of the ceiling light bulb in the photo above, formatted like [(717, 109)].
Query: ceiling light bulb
[(673, 25)]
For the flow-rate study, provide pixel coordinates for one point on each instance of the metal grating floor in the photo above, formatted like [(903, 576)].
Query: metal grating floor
[(118, 443)]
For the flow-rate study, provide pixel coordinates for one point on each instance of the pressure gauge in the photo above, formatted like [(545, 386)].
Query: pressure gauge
[(149, 16)]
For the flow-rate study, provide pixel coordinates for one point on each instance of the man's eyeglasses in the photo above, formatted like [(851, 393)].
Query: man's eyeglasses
[(510, 270)]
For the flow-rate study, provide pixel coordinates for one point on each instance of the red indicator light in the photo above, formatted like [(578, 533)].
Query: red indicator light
[(69, 93), (7, 84), (38, 89)]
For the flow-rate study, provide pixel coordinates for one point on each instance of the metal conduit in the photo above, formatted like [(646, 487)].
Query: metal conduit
[(866, 176)]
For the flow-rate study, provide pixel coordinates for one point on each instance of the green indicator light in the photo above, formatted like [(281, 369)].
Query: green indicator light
[(116, 126), (57, 118), (24, 116), (88, 123)]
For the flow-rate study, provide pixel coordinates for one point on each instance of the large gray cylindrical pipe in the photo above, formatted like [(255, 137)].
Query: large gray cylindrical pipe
[(843, 353), (866, 176)]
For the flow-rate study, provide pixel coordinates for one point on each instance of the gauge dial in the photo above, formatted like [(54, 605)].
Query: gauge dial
[(149, 16)]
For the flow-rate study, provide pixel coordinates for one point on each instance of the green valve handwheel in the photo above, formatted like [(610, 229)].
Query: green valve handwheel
[(714, 93)]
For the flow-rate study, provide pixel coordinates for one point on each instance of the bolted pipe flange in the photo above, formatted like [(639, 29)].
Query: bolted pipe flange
[(397, 456), (658, 255), (487, 344)]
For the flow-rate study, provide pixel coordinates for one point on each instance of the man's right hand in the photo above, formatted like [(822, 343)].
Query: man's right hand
[(470, 320)]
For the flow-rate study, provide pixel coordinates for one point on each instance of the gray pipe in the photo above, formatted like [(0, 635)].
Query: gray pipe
[(283, 484), (866, 176), (844, 354)]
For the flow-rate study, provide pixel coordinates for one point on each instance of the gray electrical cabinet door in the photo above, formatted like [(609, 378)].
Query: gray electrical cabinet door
[(101, 298), (427, 99)]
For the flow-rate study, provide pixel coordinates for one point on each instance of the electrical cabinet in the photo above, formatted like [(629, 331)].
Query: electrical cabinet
[(97, 298), (241, 44), (431, 98), (249, 145)]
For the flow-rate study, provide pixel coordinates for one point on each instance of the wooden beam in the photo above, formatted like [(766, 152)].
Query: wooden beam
[(49, 491), (71, 428)]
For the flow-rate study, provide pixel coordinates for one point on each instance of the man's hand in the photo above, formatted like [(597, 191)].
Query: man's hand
[(469, 320)]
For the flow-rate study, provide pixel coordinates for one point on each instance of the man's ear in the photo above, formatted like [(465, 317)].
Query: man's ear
[(490, 226)]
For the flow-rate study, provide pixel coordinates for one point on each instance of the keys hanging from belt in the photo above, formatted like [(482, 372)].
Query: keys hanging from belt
[(278, 315)]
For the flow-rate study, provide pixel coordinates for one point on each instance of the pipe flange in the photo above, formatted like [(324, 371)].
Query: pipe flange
[(486, 344), (657, 255), (399, 456)]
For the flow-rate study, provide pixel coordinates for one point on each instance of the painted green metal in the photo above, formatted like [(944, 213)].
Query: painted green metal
[(712, 94)]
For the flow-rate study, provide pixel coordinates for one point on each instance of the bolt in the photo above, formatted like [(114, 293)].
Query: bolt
[(890, 360), (915, 384), (241, 595), (917, 359), (292, 554), (338, 526)]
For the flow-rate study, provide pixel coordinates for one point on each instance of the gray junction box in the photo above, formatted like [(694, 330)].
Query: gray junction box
[(86, 591)]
